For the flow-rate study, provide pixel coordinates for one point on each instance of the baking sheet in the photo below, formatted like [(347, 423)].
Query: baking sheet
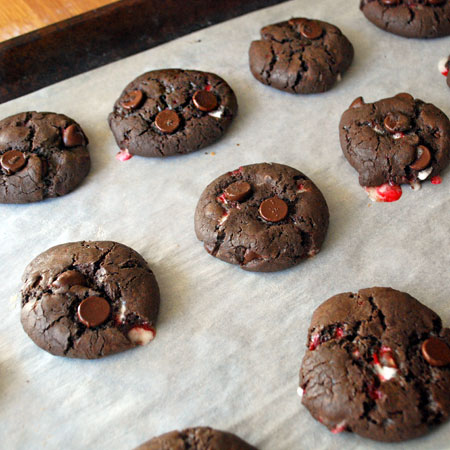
[(229, 343)]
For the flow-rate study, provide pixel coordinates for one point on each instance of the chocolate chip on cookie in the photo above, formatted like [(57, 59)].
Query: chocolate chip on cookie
[(89, 300), (300, 55), (172, 112), (377, 364), (263, 217), (394, 141), (198, 438), (41, 155), (412, 19)]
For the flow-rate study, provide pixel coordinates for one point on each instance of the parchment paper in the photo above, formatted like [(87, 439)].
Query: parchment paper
[(229, 343)]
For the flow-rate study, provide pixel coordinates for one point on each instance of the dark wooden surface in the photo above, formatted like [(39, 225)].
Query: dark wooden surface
[(43, 57)]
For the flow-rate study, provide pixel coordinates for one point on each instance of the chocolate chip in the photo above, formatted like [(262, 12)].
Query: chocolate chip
[(405, 96), (357, 102), (132, 99), (72, 136), (310, 29), (238, 191), (167, 121), (12, 161), (395, 122), (423, 158), (297, 22), (390, 2), (273, 209), (436, 352), (205, 101), (93, 311), (70, 278), (250, 256)]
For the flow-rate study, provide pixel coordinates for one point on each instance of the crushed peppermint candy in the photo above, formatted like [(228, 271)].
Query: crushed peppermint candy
[(384, 365), (123, 155), (425, 173), (385, 193), (442, 66)]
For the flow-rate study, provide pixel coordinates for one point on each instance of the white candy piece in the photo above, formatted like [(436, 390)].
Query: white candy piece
[(424, 174), (398, 135), (441, 65), (223, 219), (416, 186), (373, 194), (378, 129), (300, 392), (385, 373), (140, 336), (218, 113), (122, 311)]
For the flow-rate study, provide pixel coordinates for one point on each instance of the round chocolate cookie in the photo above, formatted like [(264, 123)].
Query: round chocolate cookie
[(42, 155), (395, 140), (409, 18), (264, 217), (198, 438), (89, 299), (377, 364), (301, 56), (172, 112)]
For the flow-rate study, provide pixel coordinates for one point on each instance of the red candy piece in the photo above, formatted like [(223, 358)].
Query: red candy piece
[(339, 428), (436, 180), (339, 333), (314, 342), (123, 155), (236, 172), (208, 87), (374, 392), (384, 193), (222, 198)]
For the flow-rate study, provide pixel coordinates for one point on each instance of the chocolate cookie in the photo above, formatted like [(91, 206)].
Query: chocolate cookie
[(264, 217), (172, 112), (377, 364), (395, 140), (409, 18), (42, 155), (301, 56), (89, 299), (199, 438)]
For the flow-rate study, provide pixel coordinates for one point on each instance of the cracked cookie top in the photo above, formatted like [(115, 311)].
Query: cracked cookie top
[(198, 438), (89, 299), (42, 155), (395, 140), (263, 217), (367, 368), (409, 18), (172, 112), (301, 56)]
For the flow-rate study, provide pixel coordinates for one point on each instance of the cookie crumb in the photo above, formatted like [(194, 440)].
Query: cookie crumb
[(213, 153)]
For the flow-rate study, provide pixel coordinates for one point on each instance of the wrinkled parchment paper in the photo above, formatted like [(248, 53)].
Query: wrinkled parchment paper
[(229, 343)]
